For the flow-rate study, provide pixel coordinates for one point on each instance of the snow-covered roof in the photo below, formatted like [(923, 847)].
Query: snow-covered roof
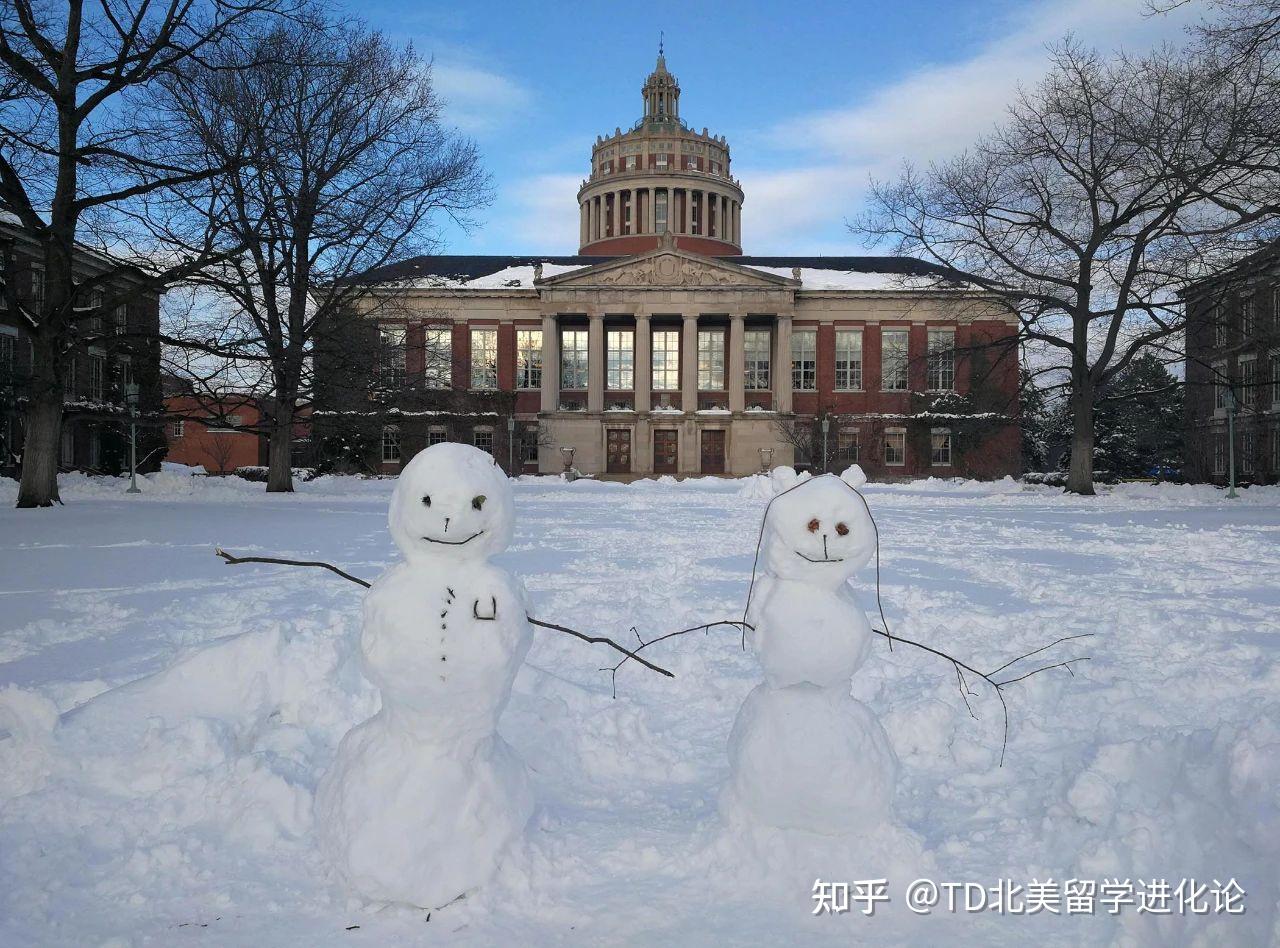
[(506, 278), (815, 278)]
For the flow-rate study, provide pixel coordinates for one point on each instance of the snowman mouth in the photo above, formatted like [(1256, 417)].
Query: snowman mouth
[(824, 559), (454, 542)]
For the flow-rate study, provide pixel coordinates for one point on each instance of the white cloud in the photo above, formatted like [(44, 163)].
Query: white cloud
[(478, 100), (537, 215)]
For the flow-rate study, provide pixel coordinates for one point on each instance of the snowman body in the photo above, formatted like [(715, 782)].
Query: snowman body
[(422, 799), (804, 754)]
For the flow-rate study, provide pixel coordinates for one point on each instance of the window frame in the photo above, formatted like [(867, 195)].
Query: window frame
[(941, 362), (391, 445), (393, 349), (1248, 380), (437, 357), (670, 367), (483, 434), (712, 360), (528, 360), (620, 361), (581, 363), (947, 446), (484, 374), (804, 360), (757, 363), (845, 436), (900, 371), (851, 373), (901, 435)]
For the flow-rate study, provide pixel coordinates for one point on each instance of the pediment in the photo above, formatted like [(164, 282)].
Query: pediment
[(668, 268)]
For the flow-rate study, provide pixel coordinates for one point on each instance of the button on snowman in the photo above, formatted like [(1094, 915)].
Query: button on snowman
[(423, 798), (803, 753)]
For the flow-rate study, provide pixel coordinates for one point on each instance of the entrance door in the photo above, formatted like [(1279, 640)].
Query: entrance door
[(713, 452), (666, 451), (618, 456)]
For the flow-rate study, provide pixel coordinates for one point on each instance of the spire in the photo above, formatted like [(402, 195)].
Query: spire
[(661, 90)]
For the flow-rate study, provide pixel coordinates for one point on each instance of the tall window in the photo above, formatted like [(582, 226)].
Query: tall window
[(1249, 390), (1248, 450), (1219, 386), (942, 360), (120, 319), (849, 359), (95, 316), (126, 372), (620, 366), (940, 443), (660, 203), (695, 207), (97, 376), (437, 357), (69, 377), (847, 446), (1275, 378), (710, 360), (390, 445), (1220, 453), (37, 289), (626, 214), (482, 438), (391, 355), (573, 358), (666, 360), (179, 428), (528, 358), (895, 447), (1248, 315), (484, 358), (1218, 315), (8, 345), (804, 360), (755, 343), (893, 360)]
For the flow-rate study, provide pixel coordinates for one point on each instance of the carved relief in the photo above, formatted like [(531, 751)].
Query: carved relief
[(667, 270)]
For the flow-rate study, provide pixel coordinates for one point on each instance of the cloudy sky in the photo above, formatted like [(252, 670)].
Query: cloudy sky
[(815, 98)]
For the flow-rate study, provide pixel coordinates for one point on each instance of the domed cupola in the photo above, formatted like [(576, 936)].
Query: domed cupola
[(660, 176)]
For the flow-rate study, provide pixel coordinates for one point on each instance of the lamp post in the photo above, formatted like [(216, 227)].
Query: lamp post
[(511, 445), (826, 427), (131, 399), (1231, 443)]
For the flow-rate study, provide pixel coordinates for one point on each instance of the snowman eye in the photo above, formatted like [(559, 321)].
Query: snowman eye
[(426, 500), (478, 501), (841, 529), (814, 525)]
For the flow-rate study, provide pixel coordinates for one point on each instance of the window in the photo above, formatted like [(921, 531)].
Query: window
[(482, 438), (529, 444), (631, 162), (710, 360), (95, 314), (621, 347), (660, 205), (695, 206), (234, 420), (666, 360), (528, 358), (690, 163), (97, 376), (942, 360), (804, 360), (847, 446), (1249, 392), (126, 373), (391, 355), (1248, 448), (68, 452), (1275, 378), (69, 378), (484, 358), (1275, 308), (849, 359), (437, 357), (1219, 370), (390, 445), (1248, 315), (1275, 450), (1217, 316), (895, 447), (1220, 453), (120, 319), (626, 215), (662, 163), (177, 428), (37, 289), (573, 358), (940, 446), (893, 360), (436, 435), (756, 343), (8, 345)]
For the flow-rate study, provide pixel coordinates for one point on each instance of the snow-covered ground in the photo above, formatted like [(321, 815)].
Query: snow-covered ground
[(168, 716)]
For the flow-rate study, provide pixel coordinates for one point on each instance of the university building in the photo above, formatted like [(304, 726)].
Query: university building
[(660, 348)]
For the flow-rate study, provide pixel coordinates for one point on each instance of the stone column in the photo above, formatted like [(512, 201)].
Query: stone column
[(688, 211), (736, 362), (689, 365), (643, 363), (782, 366), (595, 362), (550, 364), (582, 223), (594, 223)]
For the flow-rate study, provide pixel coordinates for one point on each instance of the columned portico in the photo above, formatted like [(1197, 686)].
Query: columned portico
[(689, 364), (595, 362), (643, 363), (735, 362)]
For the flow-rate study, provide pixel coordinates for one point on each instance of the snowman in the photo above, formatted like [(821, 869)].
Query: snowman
[(423, 798), (804, 754)]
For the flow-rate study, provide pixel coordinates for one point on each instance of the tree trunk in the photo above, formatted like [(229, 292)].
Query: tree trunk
[(280, 450), (1080, 475), (41, 447)]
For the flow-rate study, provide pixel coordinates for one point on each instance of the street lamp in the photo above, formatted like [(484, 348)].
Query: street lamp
[(826, 427), (511, 445), (1231, 442), (131, 399)]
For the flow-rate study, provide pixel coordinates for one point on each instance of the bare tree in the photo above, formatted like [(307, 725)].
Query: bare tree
[(74, 155), (349, 167), (1109, 187)]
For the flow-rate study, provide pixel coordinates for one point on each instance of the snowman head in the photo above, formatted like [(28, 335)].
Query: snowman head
[(819, 532), (451, 501)]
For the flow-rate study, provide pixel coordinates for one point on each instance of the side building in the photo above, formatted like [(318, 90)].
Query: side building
[(1233, 364), (118, 348)]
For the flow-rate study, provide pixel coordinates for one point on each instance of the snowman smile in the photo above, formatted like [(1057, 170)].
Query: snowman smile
[(454, 542), (825, 559)]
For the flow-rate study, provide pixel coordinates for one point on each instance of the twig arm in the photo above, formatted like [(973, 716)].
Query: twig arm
[(236, 560)]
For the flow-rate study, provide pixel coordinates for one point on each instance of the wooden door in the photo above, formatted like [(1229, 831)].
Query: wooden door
[(666, 450), (713, 452), (618, 451)]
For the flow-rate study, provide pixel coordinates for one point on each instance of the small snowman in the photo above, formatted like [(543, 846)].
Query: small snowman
[(423, 798), (804, 754)]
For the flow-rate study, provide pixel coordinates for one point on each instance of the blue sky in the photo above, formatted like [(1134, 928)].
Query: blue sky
[(815, 98)]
